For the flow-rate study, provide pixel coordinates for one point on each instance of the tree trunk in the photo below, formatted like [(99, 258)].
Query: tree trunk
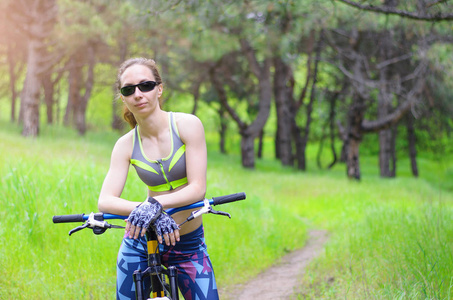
[(222, 129), (12, 63), (332, 118), (48, 86), (262, 73), (35, 19), (277, 142), (80, 116), (196, 95), (50, 78), (30, 101), (260, 144), (81, 108), (117, 123), (77, 104), (75, 84), (352, 158), (343, 152), (412, 143), (385, 152), (247, 151), (306, 130), (283, 98), (298, 141), (123, 47), (22, 97), (354, 138), (252, 131), (302, 141)]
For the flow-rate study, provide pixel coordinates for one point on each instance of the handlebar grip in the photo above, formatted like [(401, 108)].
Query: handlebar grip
[(68, 218), (228, 198)]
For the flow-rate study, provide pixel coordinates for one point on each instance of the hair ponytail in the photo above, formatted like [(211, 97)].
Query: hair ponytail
[(129, 117)]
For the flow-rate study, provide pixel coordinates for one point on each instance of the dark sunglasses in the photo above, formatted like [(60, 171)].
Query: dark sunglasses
[(146, 86)]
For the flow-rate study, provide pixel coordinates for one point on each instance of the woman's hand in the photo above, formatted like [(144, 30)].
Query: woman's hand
[(165, 226), (142, 216)]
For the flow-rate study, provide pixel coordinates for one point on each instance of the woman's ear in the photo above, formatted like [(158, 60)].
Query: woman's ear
[(160, 90)]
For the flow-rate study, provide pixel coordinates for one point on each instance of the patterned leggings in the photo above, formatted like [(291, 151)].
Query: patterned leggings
[(195, 274)]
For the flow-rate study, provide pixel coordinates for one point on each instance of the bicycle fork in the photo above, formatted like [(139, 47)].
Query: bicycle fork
[(156, 273)]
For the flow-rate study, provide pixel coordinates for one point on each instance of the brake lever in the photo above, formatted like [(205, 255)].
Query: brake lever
[(218, 212), (206, 209), (85, 225), (98, 226)]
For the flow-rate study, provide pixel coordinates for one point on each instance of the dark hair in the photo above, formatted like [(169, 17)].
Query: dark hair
[(149, 63)]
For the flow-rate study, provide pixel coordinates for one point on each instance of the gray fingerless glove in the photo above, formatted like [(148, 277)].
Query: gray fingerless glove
[(145, 213), (164, 224)]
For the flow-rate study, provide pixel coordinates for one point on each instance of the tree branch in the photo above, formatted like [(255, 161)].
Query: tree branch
[(223, 99), (251, 57), (388, 120), (393, 60), (402, 13), (394, 117), (310, 50)]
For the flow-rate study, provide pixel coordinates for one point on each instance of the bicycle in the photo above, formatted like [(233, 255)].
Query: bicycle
[(156, 272)]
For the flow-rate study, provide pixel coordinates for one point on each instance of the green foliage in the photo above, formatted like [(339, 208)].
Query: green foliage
[(99, 111), (187, 37), (77, 19)]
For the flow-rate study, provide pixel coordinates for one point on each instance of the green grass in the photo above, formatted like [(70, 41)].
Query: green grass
[(397, 249), (61, 173), (389, 238)]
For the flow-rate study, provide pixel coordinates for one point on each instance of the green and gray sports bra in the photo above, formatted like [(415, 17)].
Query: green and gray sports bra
[(163, 174)]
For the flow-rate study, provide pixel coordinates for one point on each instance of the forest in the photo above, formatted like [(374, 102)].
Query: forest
[(333, 116), (332, 73)]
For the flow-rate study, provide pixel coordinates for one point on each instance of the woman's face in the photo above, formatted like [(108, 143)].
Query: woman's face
[(139, 101)]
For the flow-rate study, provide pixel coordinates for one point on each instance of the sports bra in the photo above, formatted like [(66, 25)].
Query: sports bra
[(164, 174)]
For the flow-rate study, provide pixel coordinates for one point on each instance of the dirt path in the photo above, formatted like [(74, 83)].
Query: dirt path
[(282, 280)]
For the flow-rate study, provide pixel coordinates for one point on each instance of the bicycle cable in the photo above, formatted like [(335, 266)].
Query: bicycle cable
[(166, 291)]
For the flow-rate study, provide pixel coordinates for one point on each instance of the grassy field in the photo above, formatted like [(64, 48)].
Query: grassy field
[(389, 238)]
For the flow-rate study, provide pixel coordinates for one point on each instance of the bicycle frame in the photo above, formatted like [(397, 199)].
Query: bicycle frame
[(155, 270)]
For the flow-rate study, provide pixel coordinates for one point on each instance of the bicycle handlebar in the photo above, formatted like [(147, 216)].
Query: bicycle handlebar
[(83, 217), (214, 201), (228, 198), (68, 218)]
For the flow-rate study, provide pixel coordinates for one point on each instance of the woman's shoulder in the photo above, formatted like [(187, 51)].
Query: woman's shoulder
[(124, 143), (126, 137), (186, 119), (188, 124)]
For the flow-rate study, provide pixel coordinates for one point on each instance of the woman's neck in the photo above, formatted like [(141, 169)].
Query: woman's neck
[(153, 124)]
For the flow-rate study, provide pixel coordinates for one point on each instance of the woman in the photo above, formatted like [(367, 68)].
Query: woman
[(168, 151)]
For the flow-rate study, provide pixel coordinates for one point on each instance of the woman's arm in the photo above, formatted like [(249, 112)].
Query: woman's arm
[(109, 198), (192, 135)]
